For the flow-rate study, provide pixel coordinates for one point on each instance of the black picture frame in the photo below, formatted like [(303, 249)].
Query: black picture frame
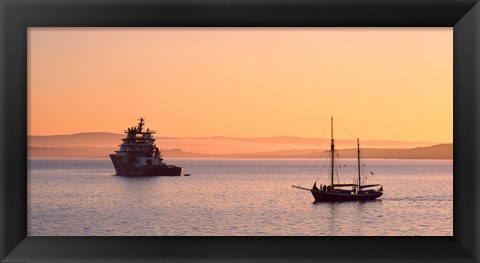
[(18, 15)]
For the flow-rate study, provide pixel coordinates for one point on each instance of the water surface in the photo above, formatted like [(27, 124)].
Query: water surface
[(228, 197)]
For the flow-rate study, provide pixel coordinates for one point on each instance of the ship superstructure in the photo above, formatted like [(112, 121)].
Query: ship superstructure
[(139, 156)]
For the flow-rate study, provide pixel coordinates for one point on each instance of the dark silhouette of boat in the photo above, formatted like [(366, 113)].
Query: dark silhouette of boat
[(139, 156), (337, 192)]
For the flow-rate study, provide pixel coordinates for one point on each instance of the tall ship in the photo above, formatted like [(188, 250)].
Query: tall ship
[(356, 191), (139, 156)]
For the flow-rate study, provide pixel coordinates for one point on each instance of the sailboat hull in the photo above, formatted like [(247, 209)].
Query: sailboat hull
[(322, 196)]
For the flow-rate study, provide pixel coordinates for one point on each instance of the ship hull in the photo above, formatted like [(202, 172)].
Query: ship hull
[(125, 169), (322, 196)]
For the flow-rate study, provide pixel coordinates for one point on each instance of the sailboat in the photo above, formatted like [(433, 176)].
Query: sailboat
[(340, 192)]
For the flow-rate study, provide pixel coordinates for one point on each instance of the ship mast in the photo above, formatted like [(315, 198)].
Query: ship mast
[(332, 148), (140, 124), (358, 154)]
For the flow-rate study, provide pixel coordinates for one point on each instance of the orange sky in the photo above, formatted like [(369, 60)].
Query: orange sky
[(379, 83)]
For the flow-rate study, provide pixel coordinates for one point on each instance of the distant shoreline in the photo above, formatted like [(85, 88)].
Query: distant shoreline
[(224, 158), (100, 145), (437, 152)]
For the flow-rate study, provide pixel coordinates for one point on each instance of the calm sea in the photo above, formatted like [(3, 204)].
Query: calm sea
[(246, 197)]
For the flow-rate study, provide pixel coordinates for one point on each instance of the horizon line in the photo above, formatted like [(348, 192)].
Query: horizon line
[(258, 137)]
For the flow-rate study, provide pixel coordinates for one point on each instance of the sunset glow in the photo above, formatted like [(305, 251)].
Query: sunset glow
[(381, 84)]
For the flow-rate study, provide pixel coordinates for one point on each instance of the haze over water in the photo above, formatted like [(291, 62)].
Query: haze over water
[(246, 197)]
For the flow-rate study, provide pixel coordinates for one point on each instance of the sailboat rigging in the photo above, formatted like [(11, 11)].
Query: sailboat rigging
[(336, 192)]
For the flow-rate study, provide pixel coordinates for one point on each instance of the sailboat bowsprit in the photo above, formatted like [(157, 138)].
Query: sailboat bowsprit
[(338, 192)]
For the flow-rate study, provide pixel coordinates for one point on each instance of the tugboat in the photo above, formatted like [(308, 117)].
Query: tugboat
[(139, 156), (336, 192)]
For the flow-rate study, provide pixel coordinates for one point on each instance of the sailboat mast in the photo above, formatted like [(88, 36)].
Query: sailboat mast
[(358, 157), (332, 148)]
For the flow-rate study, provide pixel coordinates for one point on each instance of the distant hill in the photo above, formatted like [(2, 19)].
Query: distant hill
[(98, 152), (101, 144), (111, 139), (441, 151), (78, 139)]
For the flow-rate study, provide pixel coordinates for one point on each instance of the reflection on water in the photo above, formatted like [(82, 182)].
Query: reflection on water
[(234, 197), (350, 214)]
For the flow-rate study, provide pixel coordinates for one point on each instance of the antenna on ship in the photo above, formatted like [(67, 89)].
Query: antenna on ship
[(140, 124)]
